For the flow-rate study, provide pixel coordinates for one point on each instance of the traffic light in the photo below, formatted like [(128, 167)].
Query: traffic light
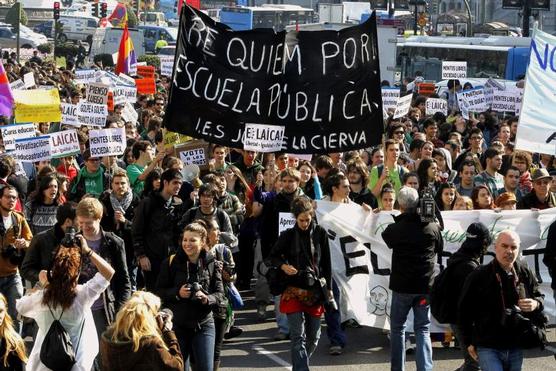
[(56, 10), (103, 10), (512, 4), (95, 10), (540, 4)]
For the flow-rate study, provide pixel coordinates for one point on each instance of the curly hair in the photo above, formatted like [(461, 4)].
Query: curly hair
[(63, 278)]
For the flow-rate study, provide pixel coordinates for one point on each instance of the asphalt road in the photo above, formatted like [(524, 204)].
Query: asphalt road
[(367, 350)]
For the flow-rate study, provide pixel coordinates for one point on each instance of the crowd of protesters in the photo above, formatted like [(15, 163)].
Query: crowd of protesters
[(190, 242)]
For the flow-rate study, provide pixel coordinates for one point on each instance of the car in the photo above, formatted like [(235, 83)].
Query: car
[(44, 28), (8, 39), (167, 50), (28, 33), (154, 33)]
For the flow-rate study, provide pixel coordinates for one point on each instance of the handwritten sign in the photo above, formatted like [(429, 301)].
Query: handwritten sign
[(454, 70), (107, 142)]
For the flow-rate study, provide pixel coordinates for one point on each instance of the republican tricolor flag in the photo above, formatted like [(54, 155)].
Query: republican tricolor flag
[(127, 60), (6, 97)]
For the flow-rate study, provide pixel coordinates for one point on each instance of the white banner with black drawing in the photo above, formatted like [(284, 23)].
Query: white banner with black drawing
[(361, 260)]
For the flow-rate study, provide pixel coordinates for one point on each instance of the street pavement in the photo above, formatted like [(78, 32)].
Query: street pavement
[(367, 349)]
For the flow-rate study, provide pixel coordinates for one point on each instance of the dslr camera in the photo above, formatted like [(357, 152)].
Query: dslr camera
[(14, 255), (310, 279), (70, 239), (194, 287)]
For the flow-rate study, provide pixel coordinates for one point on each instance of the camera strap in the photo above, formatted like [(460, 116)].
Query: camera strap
[(515, 281)]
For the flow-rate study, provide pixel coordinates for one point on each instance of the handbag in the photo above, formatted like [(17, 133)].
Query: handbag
[(57, 352), (234, 297)]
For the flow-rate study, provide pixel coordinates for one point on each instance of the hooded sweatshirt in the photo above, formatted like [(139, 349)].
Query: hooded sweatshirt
[(93, 181), (151, 356)]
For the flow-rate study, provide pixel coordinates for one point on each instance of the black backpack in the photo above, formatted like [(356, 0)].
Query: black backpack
[(57, 351), (443, 298)]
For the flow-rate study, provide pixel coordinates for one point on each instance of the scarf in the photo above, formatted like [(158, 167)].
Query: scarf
[(123, 204)]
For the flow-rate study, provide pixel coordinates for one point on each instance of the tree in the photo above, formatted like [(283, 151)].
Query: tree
[(131, 17), (11, 16)]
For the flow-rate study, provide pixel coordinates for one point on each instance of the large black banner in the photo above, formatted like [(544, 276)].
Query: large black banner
[(300, 92)]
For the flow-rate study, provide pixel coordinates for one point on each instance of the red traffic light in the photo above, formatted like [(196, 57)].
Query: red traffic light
[(56, 5)]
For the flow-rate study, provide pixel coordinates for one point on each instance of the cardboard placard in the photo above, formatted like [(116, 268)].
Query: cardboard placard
[(33, 149), (454, 70), (147, 72), (64, 143), (285, 222), (146, 86), (426, 88), (194, 152), (11, 133), (37, 105), (69, 114), (97, 93), (107, 142)]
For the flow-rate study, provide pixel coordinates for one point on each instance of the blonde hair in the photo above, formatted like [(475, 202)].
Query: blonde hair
[(137, 320), (14, 342), (89, 207)]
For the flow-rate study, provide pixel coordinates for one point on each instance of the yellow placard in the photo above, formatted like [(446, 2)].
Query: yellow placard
[(172, 138), (37, 105), (61, 62)]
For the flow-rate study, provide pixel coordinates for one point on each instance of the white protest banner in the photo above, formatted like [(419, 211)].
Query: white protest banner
[(536, 130), (29, 80), (504, 101), (194, 156), (92, 114), (475, 98), (17, 85), (97, 93), (390, 98), (129, 114), (69, 114), (12, 132), (33, 149), (166, 65), (285, 221), (361, 261), (85, 76), (454, 70), (107, 142), (435, 105), (64, 143), (495, 84), (518, 102), (124, 93), (402, 106), (126, 79), (263, 138), (489, 95)]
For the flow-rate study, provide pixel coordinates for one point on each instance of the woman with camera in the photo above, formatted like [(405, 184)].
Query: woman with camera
[(190, 284), (141, 338), (303, 254), (64, 300)]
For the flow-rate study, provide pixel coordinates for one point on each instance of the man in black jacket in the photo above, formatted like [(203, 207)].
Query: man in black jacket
[(154, 231), (414, 245), (38, 258), (119, 210), (358, 177), (491, 298)]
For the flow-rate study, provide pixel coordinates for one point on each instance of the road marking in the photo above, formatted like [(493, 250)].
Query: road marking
[(272, 356)]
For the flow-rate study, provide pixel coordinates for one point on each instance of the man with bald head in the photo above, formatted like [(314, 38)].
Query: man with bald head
[(493, 299)]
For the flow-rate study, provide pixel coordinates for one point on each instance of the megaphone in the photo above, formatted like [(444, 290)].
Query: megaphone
[(190, 172)]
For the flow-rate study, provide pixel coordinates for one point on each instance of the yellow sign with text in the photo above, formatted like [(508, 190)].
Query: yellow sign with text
[(37, 105)]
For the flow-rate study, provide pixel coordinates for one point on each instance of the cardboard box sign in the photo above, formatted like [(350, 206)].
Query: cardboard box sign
[(194, 152), (427, 88)]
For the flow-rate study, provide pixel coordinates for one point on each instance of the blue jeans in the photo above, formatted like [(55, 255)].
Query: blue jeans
[(401, 305), (281, 318), (333, 320), (198, 343), (304, 335), (500, 360), (12, 288)]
